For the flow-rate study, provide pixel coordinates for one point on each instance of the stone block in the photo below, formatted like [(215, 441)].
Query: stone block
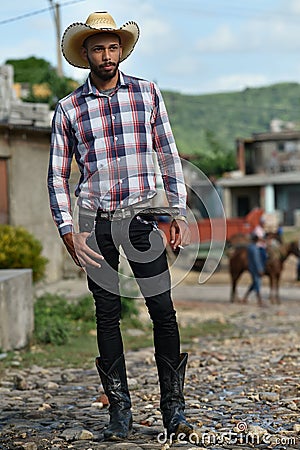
[(16, 308)]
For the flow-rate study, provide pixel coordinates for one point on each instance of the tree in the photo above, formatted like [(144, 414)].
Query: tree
[(31, 70), (215, 160), (38, 71)]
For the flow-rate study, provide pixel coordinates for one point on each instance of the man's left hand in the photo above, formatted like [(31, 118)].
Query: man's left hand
[(180, 234)]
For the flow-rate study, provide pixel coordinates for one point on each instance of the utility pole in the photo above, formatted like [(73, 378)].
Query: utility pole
[(56, 15)]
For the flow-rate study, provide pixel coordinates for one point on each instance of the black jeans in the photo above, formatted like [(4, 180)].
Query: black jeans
[(145, 252)]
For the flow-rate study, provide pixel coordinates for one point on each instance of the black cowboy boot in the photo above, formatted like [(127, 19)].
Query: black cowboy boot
[(115, 386), (172, 402)]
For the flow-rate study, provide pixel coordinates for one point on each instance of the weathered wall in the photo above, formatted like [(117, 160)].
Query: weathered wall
[(27, 150)]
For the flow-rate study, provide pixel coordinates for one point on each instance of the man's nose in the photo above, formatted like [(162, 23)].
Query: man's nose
[(106, 54)]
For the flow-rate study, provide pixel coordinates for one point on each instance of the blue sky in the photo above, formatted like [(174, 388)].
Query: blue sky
[(190, 46)]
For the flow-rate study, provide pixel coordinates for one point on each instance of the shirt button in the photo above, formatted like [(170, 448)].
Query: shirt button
[(113, 117), (118, 159), (116, 138), (121, 181)]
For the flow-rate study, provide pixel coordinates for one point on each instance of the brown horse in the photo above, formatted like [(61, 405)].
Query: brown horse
[(277, 254)]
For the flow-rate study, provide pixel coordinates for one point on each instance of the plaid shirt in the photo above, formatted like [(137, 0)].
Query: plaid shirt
[(113, 138)]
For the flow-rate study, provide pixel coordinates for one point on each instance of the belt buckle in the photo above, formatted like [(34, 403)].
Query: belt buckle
[(105, 215)]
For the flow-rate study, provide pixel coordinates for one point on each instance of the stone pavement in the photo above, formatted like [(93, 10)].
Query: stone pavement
[(242, 389)]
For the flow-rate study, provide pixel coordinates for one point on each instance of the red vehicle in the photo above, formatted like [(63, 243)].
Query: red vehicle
[(211, 235), (205, 230)]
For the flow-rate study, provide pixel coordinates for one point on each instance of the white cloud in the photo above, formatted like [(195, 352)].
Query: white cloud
[(183, 66), (155, 36), (280, 36), (237, 82), (292, 6), (254, 36), (223, 39)]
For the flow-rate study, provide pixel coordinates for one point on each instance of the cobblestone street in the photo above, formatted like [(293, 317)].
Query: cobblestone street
[(242, 390)]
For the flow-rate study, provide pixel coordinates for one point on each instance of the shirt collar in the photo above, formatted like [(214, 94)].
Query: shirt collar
[(124, 80), (90, 89)]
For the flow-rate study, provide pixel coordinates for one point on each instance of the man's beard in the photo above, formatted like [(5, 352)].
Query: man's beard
[(102, 74)]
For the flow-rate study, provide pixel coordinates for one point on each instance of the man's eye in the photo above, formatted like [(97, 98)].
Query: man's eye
[(112, 49)]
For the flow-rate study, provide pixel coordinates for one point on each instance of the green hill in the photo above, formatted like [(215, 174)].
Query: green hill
[(208, 125)]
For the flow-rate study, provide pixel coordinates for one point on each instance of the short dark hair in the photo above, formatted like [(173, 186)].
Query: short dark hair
[(101, 32)]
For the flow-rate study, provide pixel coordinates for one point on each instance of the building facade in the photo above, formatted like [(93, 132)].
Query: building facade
[(268, 176)]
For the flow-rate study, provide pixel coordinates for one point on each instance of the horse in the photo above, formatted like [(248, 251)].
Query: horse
[(277, 254)]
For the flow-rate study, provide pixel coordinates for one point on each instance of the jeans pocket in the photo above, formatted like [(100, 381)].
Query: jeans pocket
[(86, 223)]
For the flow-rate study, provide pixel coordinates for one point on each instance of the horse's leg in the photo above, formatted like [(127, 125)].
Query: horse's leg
[(277, 298), (257, 281), (234, 279), (233, 288), (272, 289)]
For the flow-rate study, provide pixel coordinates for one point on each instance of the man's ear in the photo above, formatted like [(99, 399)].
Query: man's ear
[(83, 52)]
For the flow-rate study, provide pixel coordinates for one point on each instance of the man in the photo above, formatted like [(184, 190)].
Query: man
[(112, 124), (256, 269), (260, 233)]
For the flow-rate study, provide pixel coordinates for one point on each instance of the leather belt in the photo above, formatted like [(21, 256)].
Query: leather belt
[(118, 214), (132, 211)]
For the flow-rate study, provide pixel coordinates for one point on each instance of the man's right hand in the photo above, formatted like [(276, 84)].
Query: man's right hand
[(79, 250)]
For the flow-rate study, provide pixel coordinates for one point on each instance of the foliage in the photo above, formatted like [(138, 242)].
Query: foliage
[(57, 319), (51, 330), (82, 310), (38, 71), (129, 308), (216, 160), (128, 292), (31, 70), (21, 250)]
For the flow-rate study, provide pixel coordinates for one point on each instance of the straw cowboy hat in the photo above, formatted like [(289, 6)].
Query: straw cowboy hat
[(97, 22)]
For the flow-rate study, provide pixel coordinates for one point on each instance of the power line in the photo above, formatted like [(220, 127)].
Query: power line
[(34, 13), (24, 16)]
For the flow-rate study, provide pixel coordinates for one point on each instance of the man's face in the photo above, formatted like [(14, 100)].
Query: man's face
[(103, 52)]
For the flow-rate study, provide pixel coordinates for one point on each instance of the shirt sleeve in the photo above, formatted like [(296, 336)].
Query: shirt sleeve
[(61, 154), (167, 154)]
